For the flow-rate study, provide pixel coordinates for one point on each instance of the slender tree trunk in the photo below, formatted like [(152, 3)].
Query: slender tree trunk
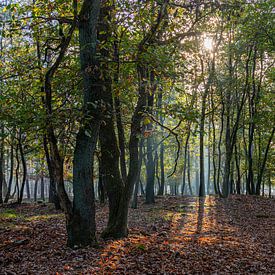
[(260, 176), (161, 153), (185, 160), (24, 166), (42, 188), (238, 182), (53, 197), (11, 173), (35, 188), (202, 178), (189, 172), (1, 163), (135, 196), (120, 129), (101, 182), (208, 160), (150, 166), (150, 171), (28, 189), (141, 188)]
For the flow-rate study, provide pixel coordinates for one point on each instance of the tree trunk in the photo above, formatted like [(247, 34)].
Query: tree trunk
[(42, 188), (53, 197), (150, 171), (28, 189), (260, 176), (24, 166), (117, 225), (11, 173), (185, 161), (120, 129), (81, 226), (1, 163), (35, 188), (189, 172), (135, 196), (101, 182), (202, 179)]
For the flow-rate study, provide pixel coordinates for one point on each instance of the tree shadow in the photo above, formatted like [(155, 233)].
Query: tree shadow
[(200, 217)]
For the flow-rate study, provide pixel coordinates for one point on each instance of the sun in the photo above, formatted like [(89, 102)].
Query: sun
[(208, 43)]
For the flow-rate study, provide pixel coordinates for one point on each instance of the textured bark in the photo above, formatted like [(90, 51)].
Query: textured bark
[(117, 225), (120, 128), (81, 225)]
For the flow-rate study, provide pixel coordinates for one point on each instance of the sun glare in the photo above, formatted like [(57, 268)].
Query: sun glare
[(208, 43)]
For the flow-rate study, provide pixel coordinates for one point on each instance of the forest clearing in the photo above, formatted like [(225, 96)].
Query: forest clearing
[(175, 236)]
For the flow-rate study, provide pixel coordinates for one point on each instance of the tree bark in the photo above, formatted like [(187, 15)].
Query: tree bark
[(81, 226)]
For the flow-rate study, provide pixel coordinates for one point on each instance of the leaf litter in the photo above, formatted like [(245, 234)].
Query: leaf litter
[(176, 235)]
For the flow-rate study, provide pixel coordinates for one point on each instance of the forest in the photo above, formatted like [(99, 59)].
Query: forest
[(137, 137)]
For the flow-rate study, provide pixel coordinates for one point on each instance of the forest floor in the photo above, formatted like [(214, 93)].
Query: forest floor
[(174, 236)]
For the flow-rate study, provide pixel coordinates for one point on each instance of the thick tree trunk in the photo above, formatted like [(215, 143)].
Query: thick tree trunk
[(81, 226)]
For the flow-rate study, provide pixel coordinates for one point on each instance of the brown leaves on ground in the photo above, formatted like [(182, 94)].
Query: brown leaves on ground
[(174, 236)]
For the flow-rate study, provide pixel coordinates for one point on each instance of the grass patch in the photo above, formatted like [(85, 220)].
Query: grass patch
[(44, 217), (9, 214)]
